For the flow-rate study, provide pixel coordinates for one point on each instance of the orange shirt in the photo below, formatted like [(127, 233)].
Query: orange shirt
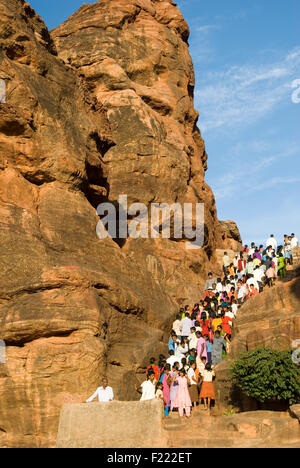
[(226, 326), (155, 370), (204, 325), (254, 292)]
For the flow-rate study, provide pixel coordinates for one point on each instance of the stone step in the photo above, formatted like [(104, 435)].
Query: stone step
[(203, 433), (223, 442), (238, 427), (213, 442), (279, 443)]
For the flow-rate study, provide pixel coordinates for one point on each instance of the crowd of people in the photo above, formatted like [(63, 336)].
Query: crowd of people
[(201, 335)]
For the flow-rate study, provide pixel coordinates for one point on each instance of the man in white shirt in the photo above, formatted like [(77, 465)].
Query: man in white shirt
[(104, 393), (294, 241), (185, 326), (193, 340), (271, 242), (253, 282), (258, 276), (181, 351), (242, 292), (234, 309), (209, 282), (219, 285), (252, 249), (191, 374), (226, 261), (148, 388), (228, 286), (176, 325), (172, 359)]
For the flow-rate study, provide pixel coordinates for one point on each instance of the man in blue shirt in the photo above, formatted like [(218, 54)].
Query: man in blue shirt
[(172, 342)]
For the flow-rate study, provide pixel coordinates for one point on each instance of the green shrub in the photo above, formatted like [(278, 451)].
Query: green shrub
[(266, 374), (229, 412)]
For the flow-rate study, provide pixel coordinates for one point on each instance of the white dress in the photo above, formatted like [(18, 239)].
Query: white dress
[(148, 390)]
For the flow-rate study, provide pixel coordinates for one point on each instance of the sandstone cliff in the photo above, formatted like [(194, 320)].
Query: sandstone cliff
[(101, 106)]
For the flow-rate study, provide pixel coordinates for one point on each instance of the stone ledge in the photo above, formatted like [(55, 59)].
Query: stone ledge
[(117, 424)]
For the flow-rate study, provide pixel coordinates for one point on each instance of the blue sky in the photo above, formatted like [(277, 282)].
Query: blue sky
[(246, 55)]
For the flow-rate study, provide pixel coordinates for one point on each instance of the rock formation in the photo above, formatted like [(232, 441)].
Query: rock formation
[(101, 106), (231, 237)]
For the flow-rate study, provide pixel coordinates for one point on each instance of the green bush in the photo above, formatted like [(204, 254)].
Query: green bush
[(229, 412), (267, 375)]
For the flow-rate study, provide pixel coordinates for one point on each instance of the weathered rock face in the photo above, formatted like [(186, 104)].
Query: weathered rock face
[(103, 106), (271, 319), (135, 60), (231, 236)]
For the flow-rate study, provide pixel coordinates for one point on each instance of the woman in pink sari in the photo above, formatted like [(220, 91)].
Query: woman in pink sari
[(182, 400), (166, 388)]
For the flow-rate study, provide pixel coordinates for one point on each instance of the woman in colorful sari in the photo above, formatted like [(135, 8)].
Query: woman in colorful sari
[(166, 388), (174, 384)]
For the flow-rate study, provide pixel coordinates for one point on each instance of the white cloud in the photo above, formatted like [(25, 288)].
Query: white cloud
[(207, 28), (249, 176), (275, 182), (241, 95), (201, 43)]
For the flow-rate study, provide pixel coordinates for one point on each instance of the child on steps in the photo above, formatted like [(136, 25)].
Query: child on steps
[(207, 390)]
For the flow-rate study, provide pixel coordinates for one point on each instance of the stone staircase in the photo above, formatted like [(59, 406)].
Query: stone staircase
[(296, 257), (259, 429), (292, 271)]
